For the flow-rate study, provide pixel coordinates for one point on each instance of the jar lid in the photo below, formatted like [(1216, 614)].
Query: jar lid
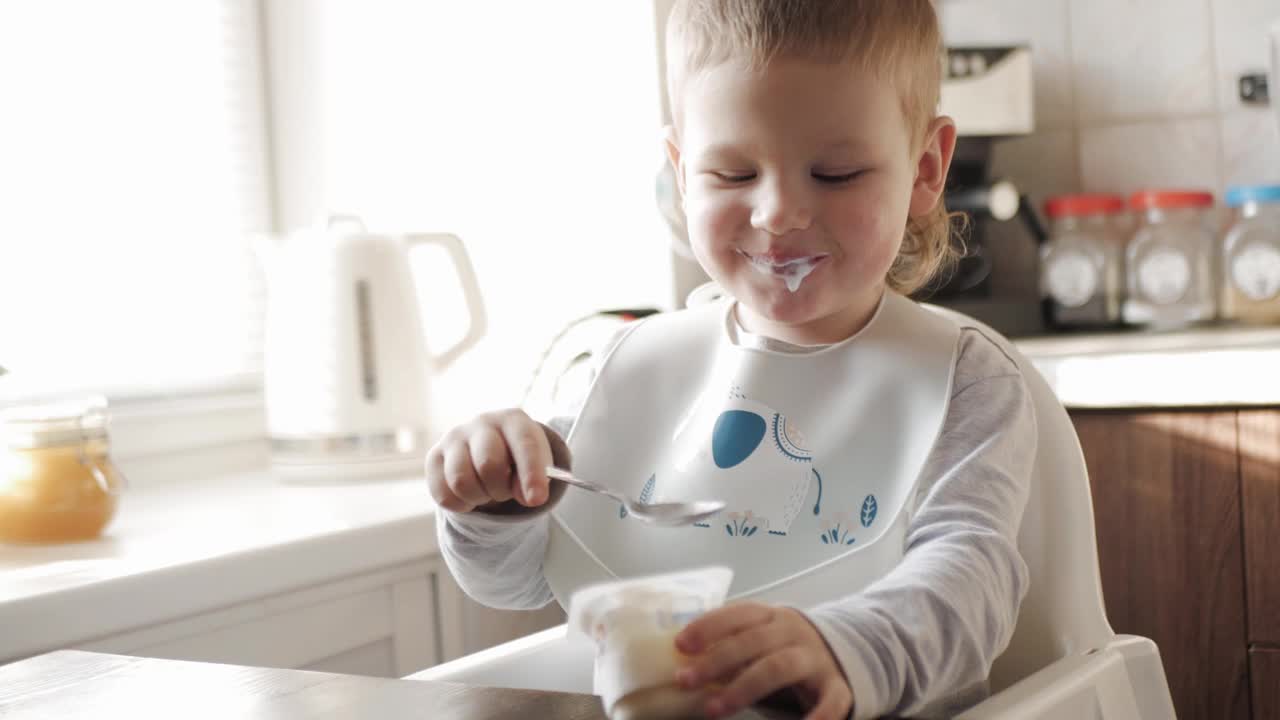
[(1083, 204), (68, 421), (1170, 199), (1243, 194)]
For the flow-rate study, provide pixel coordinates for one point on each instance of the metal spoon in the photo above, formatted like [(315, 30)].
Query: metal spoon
[(670, 514)]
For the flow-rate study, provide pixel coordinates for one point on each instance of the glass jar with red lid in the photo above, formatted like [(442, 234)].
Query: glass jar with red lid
[(1171, 260), (1082, 264)]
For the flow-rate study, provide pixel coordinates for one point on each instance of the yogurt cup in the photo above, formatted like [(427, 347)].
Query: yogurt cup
[(633, 624)]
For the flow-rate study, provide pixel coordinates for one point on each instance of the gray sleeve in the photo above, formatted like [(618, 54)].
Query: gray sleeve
[(496, 561), (498, 564), (496, 558), (920, 642)]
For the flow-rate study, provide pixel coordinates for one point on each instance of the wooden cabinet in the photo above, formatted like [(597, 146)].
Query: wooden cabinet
[(1187, 506), (1264, 668), (1260, 500), (389, 623)]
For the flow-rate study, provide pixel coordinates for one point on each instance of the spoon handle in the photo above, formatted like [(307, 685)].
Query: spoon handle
[(565, 476)]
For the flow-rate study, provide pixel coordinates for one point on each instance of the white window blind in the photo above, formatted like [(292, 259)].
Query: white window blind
[(133, 171), (530, 129)]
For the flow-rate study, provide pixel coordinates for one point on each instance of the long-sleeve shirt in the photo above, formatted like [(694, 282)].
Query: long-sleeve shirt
[(921, 640)]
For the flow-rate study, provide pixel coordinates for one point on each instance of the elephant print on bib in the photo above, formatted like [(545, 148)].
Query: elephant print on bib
[(746, 454)]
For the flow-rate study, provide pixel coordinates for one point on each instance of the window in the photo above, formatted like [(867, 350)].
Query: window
[(134, 171), (136, 167), (531, 130)]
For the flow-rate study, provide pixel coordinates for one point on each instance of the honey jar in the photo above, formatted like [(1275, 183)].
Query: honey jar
[(57, 480)]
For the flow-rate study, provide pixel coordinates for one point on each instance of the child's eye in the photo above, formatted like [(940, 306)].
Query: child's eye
[(732, 177), (830, 179)]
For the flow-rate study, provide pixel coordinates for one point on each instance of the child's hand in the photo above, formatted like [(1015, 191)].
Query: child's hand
[(755, 650), (492, 459)]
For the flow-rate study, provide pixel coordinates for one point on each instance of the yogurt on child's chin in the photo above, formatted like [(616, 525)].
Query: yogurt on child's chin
[(792, 272)]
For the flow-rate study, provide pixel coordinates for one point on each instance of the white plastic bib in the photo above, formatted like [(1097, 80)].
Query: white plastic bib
[(817, 455)]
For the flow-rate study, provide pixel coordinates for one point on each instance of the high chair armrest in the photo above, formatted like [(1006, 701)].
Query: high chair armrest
[(1122, 680)]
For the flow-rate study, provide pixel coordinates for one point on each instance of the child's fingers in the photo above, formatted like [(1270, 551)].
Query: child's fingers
[(492, 463), (531, 453), (725, 657), (460, 475), (762, 678), (717, 624), (438, 484), (835, 702)]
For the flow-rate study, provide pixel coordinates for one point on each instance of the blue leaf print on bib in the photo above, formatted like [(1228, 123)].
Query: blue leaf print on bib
[(736, 435), (646, 496), (868, 511)]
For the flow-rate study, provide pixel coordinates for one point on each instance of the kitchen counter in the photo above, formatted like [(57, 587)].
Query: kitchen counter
[(70, 684), (206, 545), (1204, 367)]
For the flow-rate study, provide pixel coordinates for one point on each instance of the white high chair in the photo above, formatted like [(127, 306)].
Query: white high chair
[(1064, 661)]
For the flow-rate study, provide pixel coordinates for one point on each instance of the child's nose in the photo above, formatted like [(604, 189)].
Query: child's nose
[(781, 208)]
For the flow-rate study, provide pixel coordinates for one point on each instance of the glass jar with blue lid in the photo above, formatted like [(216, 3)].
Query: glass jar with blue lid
[(1251, 256)]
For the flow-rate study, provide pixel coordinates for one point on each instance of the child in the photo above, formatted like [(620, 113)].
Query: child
[(877, 548)]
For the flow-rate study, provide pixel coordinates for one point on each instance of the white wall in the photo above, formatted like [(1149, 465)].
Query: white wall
[(1129, 95), (531, 130)]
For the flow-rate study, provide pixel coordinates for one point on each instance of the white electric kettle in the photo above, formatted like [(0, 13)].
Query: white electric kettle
[(346, 365), (1274, 80)]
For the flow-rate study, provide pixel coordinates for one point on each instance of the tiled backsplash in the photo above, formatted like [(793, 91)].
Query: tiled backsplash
[(1129, 94)]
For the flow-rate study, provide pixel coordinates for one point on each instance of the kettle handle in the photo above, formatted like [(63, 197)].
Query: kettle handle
[(470, 290)]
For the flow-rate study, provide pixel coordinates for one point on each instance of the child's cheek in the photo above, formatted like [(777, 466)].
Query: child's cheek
[(870, 231), (718, 218)]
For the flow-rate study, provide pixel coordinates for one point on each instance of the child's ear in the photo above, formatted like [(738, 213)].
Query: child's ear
[(672, 142), (932, 166)]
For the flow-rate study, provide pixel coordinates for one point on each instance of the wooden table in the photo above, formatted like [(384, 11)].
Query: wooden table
[(70, 684)]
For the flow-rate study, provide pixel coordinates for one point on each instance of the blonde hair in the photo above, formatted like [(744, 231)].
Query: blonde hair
[(896, 39)]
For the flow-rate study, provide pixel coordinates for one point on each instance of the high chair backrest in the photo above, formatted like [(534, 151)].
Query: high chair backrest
[(1063, 612)]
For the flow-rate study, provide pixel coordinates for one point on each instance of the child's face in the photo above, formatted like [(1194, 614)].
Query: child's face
[(805, 161)]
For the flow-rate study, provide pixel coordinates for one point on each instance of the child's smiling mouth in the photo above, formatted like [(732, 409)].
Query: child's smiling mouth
[(791, 270)]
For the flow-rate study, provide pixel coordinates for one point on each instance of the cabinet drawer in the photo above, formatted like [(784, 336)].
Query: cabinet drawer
[(1260, 496), (289, 639), (1264, 678), (383, 624)]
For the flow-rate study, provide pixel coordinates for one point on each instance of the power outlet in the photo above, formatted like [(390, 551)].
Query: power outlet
[(1254, 89)]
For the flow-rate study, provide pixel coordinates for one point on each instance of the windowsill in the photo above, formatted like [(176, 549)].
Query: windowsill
[(180, 548)]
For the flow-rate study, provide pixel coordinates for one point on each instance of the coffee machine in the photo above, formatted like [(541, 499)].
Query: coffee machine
[(989, 93)]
